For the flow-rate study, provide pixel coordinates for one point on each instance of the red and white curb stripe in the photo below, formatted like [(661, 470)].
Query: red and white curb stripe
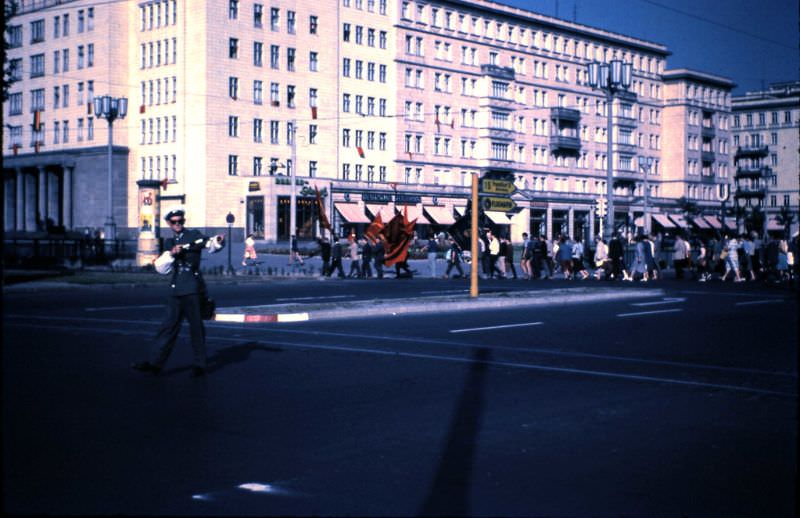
[(275, 317)]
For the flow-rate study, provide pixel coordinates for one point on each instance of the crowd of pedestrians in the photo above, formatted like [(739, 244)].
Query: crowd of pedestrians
[(640, 258)]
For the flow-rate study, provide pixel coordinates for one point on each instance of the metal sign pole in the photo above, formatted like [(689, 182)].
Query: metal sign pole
[(473, 271)]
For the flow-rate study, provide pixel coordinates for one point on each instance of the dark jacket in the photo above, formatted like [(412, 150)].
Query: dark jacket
[(615, 250), (186, 278)]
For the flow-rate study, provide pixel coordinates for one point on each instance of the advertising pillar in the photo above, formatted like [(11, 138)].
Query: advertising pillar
[(149, 215)]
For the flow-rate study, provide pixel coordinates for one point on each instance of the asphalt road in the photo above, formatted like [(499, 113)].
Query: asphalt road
[(681, 405)]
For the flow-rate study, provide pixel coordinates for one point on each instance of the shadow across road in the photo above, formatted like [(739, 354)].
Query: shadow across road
[(449, 493)]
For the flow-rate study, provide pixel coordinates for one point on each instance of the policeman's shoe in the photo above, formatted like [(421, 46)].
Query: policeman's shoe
[(197, 372), (146, 367)]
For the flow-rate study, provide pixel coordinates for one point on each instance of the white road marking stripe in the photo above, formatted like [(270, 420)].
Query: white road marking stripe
[(316, 298), (530, 366), (424, 341), (641, 313), (470, 329), (666, 300), (734, 294), (292, 317), (751, 302), (442, 291), (114, 308), (229, 318)]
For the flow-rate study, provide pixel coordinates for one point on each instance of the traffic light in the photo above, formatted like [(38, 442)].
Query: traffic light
[(601, 207)]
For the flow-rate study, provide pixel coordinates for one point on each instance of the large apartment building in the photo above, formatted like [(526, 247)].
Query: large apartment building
[(381, 105), (766, 143)]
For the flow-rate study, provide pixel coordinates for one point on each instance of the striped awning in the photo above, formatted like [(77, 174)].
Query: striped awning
[(773, 225), (499, 218), (414, 212), (461, 209), (440, 214), (664, 221), (352, 213), (713, 221), (700, 222), (385, 211), (679, 220)]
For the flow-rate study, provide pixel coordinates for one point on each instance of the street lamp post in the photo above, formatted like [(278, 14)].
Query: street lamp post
[(110, 109), (230, 219), (293, 196), (610, 78), (645, 164)]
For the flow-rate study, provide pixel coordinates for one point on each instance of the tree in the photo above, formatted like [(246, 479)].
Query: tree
[(9, 11)]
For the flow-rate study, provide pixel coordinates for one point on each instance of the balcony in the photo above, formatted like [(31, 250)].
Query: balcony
[(707, 156), (752, 151), (752, 172), (626, 147), (707, 178), (626, 120), (563, 143), (506, 73), (565, 114), (750, 192), (497, 133), (497, 164), (708, 131)]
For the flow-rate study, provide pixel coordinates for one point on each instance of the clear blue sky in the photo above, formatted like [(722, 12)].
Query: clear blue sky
[(749, 41)]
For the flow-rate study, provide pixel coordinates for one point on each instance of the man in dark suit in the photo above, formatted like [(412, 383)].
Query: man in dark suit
[(186, 289)]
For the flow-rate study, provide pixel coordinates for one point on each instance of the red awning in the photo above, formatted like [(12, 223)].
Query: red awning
[(352, 213), (713, 221), (679, 220), (414, 212), (385, 211), (700, 222), (440, 214), (663, 221)]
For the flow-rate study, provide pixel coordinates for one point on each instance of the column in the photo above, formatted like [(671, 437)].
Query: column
[(549, 222), (54, 198), (67, 187), (9, 210), (19, 223), (41, 207), (571, 222), (591, 224)]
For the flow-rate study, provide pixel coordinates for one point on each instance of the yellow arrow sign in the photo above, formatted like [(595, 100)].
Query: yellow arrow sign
[(491, 186), (498, 204)]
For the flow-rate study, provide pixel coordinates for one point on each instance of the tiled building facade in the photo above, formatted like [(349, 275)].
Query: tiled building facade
[(381, 104), (766, 143)]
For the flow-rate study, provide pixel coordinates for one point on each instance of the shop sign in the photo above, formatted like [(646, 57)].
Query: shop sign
[(408, 199), (253, 186), (376, 197)]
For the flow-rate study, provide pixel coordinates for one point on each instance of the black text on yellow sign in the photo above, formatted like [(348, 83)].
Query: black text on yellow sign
[(491, 186), (497, 204)]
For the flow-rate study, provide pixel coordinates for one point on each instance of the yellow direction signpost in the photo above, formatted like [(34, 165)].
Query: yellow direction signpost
[(498, 204), (502, 187)]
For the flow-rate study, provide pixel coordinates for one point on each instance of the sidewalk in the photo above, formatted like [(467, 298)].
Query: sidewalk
[(436, 304)]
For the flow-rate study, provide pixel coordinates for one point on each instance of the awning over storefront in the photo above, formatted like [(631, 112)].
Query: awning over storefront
[(385, 211), (679, 220), (351, 212), (700, 222), (499, 218), (664, 221), (440, 215), (414, 212), (713, 221), (639, 222), (773, 225), (461, 209)]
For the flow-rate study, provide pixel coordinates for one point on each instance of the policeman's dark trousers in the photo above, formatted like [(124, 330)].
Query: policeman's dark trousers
[(178, 308)]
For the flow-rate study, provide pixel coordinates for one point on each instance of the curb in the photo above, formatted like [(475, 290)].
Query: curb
[(375, 308)]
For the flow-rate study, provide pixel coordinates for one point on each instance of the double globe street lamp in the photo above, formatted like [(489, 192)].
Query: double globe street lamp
[(110, 109), (645, 164), (610, 78)]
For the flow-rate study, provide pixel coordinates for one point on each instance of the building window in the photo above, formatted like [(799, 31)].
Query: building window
[(274, 94), (345, 103), (15, 35), (257, 165), (290, 21), (312, 24), (15, 103), (274, 132), (346, 32), (274, 56), (37, 30), (233, 48), (312, 61), (258, 15), (233, 165), (233, 9), (37, 65), (274, 18), (90, 55), (257, 125), (233, 87), (346, 67), (290, 54), (345, 137), (233, 126), (258, 92), (345, 171), (312, 134), (258, 53)]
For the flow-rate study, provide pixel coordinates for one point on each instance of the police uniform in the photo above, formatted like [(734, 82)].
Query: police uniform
[(186, 289)]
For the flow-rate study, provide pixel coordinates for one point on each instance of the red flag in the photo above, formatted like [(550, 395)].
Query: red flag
[(15, 147), (374, 228), (36, 146), (89, 108), (37, 120), (397, 236), (438, 124), (164, 184), (141, 109), (313, 112), (410, 155), (453, 123), (323, 217), (276, 103), (360, 151)]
